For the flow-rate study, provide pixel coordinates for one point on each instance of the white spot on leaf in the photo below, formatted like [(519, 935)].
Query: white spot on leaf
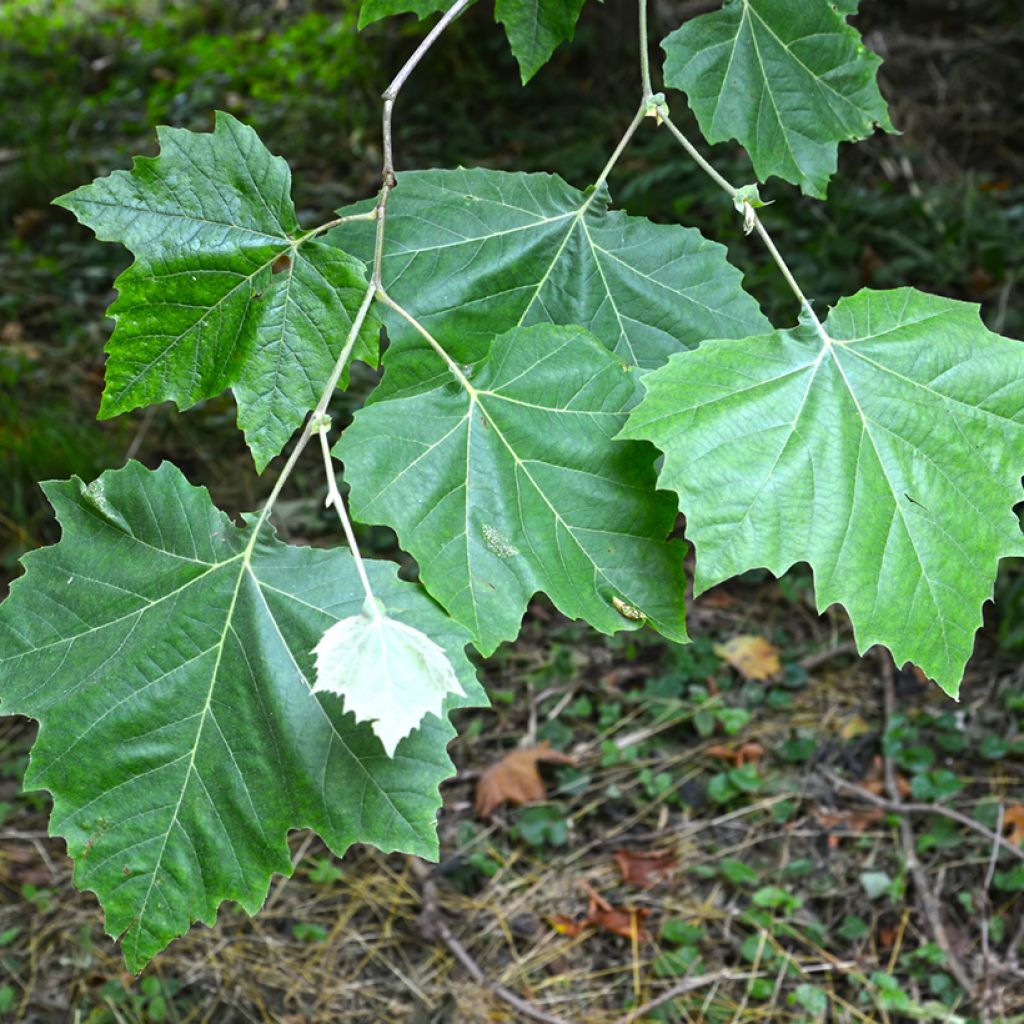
[(499, 543)]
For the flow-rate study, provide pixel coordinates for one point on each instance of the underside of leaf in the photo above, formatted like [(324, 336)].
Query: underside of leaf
[(885, 450), (388, 673)]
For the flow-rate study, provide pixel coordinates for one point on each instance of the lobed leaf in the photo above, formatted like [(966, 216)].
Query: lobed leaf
[(375, 10), (886, 451), (787, 79), (536, 28), (225, 290), (167, 655), (474, 253), (516, 485)]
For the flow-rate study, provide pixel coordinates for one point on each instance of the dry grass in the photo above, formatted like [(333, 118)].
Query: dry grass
[(378, 959)]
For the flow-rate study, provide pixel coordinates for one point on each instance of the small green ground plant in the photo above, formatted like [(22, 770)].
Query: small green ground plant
[(203, 688)]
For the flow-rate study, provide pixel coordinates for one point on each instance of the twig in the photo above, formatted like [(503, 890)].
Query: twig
[(816, 660), (140, 434), (335, 499), (990, 873), (688, 985), (986, 950), (699, 160), (321, 406), (918, 808), (434, 925), (379, 213), (752, 222), (389, 183), (645, 56), (929, 901), (390, 94)]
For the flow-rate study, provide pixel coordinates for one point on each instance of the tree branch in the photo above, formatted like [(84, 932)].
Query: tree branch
[(379, 212)]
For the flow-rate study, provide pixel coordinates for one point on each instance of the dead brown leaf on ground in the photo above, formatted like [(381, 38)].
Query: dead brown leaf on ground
[(515, 778), (752, 656), (646, 868), (874, 780), (601, 915), (848, 823), (745, 753), (1013, 822)]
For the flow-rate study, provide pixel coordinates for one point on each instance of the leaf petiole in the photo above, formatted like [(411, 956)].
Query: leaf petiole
[(372, 606)]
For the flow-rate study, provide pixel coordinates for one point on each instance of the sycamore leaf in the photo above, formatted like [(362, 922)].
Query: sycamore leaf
[(886, 451), (646, 868), (225, 290), (515, 778), (536, 28), (1013, 820), (752, 656), (516, 485), (389, 674), (625, 922), (374, 10), (473, 253), (165, 653), (787, 79)]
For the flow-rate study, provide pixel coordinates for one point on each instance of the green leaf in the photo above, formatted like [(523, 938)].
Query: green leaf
[(536, 28), (787, 79), (473, 253), (813, 999), (166, 653), (739, 873), (886, 452), (516, 485), (225, 290), (374, 10)]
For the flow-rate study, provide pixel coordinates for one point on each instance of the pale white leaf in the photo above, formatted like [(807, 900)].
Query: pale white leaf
[(388, 673)]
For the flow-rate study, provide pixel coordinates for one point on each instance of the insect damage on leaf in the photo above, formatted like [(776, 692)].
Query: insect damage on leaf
[(628, 611)]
